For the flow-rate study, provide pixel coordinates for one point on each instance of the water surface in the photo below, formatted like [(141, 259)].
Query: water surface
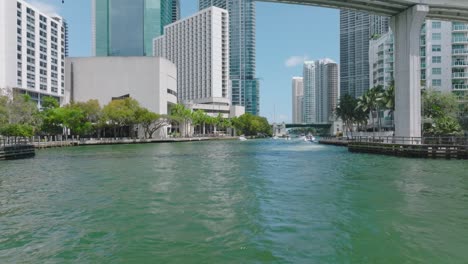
[(231, 202)]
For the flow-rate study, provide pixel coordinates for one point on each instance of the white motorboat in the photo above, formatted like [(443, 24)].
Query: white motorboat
[(242, 138), (310, 138)]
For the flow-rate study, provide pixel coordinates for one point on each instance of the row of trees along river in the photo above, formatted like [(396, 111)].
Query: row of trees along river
[(20, 117), (443, 113)]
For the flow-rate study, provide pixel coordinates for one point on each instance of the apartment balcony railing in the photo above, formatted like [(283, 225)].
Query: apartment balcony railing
[(460, 63), (460, 75), (459, 51), (460, 40), (460, 86), (460, 27)]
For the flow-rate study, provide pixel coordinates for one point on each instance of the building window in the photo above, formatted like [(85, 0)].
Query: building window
[(437, 82), (30, 11), (436, 24), (436, 48), (436, 36), (437, 71), (436, 59)]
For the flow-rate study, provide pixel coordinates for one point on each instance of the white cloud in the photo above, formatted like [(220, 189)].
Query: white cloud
[(45, 7), (294, 61)]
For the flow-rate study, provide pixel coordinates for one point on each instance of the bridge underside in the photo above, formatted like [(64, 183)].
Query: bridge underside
[(454, 10), (325, 126)]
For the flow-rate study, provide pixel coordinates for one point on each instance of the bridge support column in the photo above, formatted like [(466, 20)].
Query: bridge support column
[(406, 28)]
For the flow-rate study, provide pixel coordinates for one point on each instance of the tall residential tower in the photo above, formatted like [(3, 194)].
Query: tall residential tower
[(127, 27), (443, 50), (297, 99), (356, 28), (244, 84), (321, 83)]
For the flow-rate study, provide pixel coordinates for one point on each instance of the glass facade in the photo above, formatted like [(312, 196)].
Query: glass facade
[(127, 27), (242, 59), (356, 29)]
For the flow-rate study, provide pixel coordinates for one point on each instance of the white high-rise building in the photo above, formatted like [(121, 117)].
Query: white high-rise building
[(381, 60), (444, 57), (297, 99), (32, 50), (310, 111), (320, 91), (199, 47), (459, 57)]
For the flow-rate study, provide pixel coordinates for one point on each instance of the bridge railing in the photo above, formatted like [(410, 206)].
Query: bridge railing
[(445, 141)]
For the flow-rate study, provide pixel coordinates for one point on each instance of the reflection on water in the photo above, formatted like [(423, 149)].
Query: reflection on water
[(260, 201)]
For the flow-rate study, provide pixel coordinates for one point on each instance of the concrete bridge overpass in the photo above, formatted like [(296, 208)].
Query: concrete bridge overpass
[(454, 10)]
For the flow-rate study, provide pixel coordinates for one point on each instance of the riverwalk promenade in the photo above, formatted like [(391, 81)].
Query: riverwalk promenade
[(25, 148), (119, 141)]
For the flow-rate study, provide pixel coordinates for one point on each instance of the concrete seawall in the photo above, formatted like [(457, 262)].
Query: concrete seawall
[(17, 152), (95, 142)]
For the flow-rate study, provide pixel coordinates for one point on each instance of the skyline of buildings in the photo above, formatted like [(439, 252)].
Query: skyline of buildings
[(32, 50), (245, 86), (127, 28), (443, 47)]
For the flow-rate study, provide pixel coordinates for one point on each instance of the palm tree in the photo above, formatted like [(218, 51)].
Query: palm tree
[(388, 100), (183, 115), (370, 103), (199, 119), (346, 111)]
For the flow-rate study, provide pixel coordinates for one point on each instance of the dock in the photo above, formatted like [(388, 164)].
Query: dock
[(425, 147)]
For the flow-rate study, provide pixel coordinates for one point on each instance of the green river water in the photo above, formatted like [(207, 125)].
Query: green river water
[(262, 201)]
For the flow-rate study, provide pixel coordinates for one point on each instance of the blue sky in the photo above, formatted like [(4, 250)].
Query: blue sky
[(286, 35)]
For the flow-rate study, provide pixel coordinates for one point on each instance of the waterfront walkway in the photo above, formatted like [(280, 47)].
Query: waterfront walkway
[(118, 141), (25, 148)]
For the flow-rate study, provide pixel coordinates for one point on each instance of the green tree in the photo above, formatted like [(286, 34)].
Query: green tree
[(121, 113), (199, 118), (74, 118), (437, 104), (441, 111), (183, 116), (370, 103), (51, 116), (347, 111), (251, 125), (388, 100), (151, 122), (444, 126), (3, 111)]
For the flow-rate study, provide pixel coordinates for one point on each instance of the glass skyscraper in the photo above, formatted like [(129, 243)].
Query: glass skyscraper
[(242, 61), (127, 27), (356, 29)]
